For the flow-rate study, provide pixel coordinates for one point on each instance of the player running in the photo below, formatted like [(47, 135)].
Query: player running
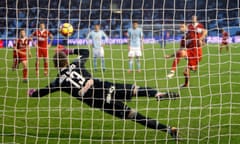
[(135, 46), (75, 80), (21, 53), (42, 35), (97, 36), (196, 34), (181, 52), (224, 43)]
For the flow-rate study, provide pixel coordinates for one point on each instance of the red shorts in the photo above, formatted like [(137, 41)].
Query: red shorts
[(20, 57), (14, 54), (42, 52), (194, 56), (224, 43)]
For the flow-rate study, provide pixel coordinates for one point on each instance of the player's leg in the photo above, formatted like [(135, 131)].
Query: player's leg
[(38, 55), (192, 55), (151, 92), (125, 92), (95, 56), (15, 64), (199, 55), (25, 70), (45, 61), (186, 74), (37, 66), (164, 43), (131, 55), (95, 63), (103, 63), (102, 59), (227, 47), (220, 49), (122, 111), (179, 54), (138, 62)]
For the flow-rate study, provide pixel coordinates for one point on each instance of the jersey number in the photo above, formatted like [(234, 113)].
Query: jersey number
[(75, 75)]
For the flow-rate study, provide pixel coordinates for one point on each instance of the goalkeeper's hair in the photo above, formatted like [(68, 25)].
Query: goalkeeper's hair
[(60, 60)]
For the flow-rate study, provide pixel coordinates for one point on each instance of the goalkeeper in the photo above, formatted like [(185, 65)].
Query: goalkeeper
[(75, 80)]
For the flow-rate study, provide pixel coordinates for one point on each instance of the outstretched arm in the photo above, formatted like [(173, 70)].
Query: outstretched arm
[(83, 53), (54, 86)]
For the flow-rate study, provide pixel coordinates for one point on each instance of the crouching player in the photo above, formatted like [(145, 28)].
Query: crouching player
[(21, 52), (75, 80)]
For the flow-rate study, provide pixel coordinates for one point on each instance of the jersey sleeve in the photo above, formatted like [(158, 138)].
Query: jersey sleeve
[(141, 33), (83, 56), (129, 33), (15, 42), (49, 33), (34, 33), (52, 87), (104, 35), (89, 35)]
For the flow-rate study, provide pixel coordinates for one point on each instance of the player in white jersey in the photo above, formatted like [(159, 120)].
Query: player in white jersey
[(135, 45), (97, 36)]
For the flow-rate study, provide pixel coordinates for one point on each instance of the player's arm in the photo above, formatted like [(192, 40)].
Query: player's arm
[(141, 40), (15, 46), (29, 51), (32, 36), (89, 36), (129, 39), (16, 49), (84, 55), (105, 37), (204, 34), (52, 87)]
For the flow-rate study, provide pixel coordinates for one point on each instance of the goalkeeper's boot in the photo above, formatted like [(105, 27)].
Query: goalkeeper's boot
[(171, 74), (167, 96), (173, 131)]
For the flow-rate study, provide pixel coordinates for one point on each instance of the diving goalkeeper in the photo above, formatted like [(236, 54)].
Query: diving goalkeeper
[(75, 80)]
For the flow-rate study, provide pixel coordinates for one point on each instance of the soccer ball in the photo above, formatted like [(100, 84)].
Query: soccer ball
[(66, 29)]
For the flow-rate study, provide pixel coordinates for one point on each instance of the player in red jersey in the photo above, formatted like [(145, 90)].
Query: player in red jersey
[(21, 50), (42, 36), (181, 52), (196, 34), (15, 60), (224, 43)]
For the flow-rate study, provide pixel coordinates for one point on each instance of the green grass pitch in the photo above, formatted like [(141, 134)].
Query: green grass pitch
[(207, 112)]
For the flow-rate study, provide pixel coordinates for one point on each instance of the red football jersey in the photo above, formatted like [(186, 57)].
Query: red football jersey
[(224, 36), (42, 38), (183, 42), (194, 33), (21, 44)]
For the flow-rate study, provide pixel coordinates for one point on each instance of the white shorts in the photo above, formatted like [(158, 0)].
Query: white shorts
[(135, 52), (98, 52)]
